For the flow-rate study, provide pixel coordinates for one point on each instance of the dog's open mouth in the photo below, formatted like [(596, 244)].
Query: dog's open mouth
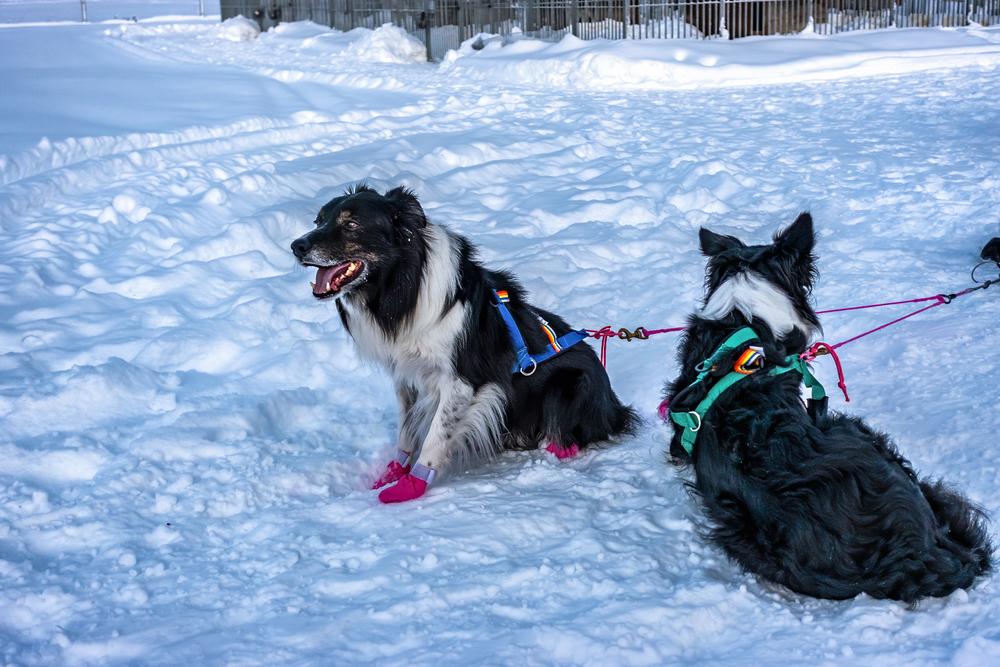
[(331, 279)]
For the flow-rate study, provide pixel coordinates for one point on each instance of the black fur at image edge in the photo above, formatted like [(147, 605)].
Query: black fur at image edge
[(991, 251)]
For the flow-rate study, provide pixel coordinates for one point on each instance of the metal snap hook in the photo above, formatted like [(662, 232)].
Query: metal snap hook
[(534, 367), (697, 428)]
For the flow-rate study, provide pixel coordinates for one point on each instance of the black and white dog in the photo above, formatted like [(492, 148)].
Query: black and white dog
[(822, 504), (415, 299)]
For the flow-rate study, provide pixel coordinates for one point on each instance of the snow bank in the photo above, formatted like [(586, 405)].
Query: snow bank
[(678, 64), (318, 46), (385, 44), (238, 29)]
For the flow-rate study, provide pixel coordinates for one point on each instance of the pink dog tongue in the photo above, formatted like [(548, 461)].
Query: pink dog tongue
[(324, 275)]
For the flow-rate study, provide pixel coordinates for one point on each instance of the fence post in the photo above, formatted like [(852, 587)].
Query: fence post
[(201, 7), (626, 19), (723, 28), (529, 23), (573, 18), (83, 10), (427, 30)]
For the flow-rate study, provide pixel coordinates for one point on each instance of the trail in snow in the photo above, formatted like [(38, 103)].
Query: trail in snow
[(186, 436)]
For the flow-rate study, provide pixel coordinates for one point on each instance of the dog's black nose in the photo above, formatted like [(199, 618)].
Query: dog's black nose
[(301, 246)]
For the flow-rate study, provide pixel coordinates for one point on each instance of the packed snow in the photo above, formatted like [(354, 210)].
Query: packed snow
[(187, 436)]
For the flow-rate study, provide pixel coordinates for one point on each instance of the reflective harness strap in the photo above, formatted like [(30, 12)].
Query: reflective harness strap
[(691, 421), (526, 362)]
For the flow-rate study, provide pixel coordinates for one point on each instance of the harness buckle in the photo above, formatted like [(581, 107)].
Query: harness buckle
[(750, 361), (695, 415), (534, 367)]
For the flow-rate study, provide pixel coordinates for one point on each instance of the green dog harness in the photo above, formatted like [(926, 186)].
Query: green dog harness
[(749, 362)]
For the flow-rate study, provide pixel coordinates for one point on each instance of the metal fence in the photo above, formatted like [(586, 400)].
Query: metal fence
[(445, 24)]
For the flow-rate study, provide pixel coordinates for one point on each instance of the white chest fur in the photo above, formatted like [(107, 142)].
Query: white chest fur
[(422, 350)]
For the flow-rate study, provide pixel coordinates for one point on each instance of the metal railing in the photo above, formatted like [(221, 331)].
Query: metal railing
[(83, 9), (445, 24)]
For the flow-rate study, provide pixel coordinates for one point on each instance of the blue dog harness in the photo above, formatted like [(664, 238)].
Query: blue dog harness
[(526, 362)]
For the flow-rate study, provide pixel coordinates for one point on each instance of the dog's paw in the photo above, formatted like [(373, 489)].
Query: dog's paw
[(563, 452), (407, 488), (393, 472)]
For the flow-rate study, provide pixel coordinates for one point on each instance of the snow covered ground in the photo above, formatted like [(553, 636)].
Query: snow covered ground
[(39, 11), (186, 436)]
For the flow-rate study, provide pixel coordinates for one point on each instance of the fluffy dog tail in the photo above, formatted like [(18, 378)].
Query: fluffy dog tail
[(963, 550), (625, 420)]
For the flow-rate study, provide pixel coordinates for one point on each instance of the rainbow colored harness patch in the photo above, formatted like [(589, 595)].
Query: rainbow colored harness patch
[(526, 362), (550, 334)]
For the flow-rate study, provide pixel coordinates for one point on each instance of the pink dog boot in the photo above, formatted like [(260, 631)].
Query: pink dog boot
[(410, 487), (396, 469), (563, 452)]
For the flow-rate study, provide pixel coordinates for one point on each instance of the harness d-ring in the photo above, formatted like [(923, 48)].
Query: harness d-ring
[(697, 428), (985, 263), (534, 367)]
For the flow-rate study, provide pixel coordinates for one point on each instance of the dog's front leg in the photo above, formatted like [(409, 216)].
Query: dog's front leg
[(413, 424), (417, 410), (443, 435)]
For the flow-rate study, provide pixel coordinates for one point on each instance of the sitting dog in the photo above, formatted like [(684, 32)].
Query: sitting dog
[(414, 298), (822, 504)]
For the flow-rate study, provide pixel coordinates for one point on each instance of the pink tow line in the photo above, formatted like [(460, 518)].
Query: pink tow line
[(821, 348), (815, 350), (640, 333)]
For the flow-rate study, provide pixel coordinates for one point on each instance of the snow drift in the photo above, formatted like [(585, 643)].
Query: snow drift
[(657, 64)]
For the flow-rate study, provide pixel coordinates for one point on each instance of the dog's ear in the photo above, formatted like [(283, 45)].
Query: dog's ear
[(798, 238), (406, 209), (796, 242), (713, 244), (358, 187)]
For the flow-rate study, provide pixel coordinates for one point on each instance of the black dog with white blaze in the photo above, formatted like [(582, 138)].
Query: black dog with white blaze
[(414, 298), (820, 503)]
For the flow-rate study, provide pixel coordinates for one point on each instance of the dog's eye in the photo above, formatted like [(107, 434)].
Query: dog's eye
[(350, 224)]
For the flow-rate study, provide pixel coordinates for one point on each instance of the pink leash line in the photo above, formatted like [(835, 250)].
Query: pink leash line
[(816, 349), (936, 297), (640, 333), (821, 348), (606, 332)]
